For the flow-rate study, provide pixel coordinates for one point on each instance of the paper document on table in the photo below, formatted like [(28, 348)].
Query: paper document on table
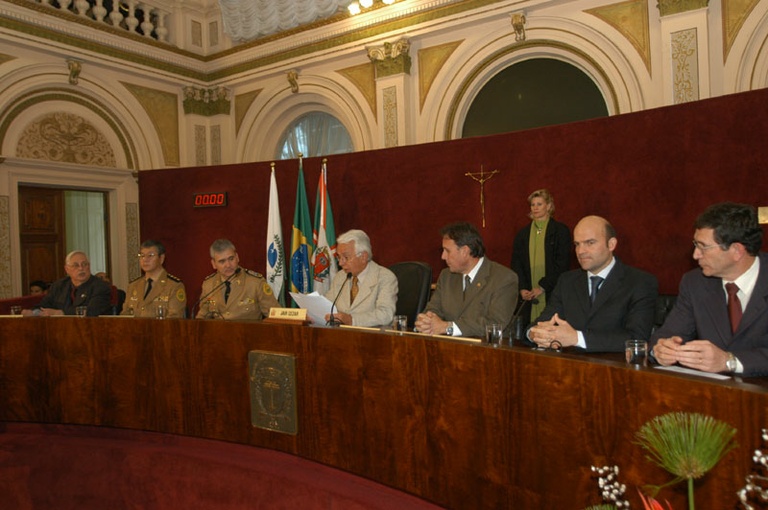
[(690, 371), (317, 306)]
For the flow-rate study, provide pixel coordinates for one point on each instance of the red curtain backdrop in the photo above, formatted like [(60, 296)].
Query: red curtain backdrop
[(650, 173)]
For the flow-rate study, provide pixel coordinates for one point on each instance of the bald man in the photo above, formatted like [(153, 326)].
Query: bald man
[(598, 307)]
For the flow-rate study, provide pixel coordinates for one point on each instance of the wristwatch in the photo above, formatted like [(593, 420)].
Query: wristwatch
[(449, 329), (731, 364)]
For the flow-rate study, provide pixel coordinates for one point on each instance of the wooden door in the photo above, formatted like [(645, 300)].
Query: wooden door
[(42, 235)]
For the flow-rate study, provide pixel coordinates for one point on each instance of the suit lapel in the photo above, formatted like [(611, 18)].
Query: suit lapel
[(758, 302), (716, 308), (477, 284)]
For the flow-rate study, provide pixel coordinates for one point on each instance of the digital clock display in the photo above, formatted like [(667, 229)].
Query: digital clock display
[(215, 199)]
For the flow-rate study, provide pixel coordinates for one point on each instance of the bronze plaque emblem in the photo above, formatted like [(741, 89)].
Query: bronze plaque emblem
[(273, 391)]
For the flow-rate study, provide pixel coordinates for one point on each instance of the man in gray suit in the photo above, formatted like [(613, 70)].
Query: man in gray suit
[(472, 292), (720, 319), (371, 292), (603, 304)]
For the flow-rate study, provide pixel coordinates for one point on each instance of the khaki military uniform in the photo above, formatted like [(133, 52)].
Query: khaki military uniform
[(250, 297), (167, 289)]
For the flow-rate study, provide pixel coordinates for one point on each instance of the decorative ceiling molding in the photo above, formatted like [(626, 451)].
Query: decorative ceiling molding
[(363, 77), (242, 103), (431, 61), (246, 20), (161, 108), (630, 18), (669, 7), (735, 12)]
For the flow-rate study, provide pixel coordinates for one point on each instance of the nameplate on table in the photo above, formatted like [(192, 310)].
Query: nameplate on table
[(288, 314)]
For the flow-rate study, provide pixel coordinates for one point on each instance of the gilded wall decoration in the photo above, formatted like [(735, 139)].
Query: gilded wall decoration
[(363, 77), (431, 61), (631, 20), (207, 102), (668, 7), (132, 244), (6, 290), (685, 66), (67, 138), (391, 58), (216, 145), (161, 107), (390, 116), (734, 14), (200, 143), (242, 104)]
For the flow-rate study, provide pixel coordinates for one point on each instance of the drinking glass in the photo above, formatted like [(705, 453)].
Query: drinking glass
[(493, 334), (15, 310), (400, 323), (81, 311), (636, 352)]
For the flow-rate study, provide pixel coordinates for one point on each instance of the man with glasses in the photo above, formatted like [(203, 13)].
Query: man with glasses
[(370, 297), (603, 304), (156, 287), (78, 288), (720, 319)]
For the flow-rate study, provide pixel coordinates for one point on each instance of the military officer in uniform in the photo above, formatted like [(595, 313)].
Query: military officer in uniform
[(233, 292), (155, 287)]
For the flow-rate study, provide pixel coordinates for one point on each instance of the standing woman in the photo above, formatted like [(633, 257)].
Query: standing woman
[(540, 253)]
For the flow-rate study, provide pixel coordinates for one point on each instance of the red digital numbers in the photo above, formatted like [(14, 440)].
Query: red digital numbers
[(217, 199)]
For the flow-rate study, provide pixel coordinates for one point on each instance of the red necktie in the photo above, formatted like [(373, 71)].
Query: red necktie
[(734, 306)]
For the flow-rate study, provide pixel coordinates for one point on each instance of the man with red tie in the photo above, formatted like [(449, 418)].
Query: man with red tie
[(720, 319)]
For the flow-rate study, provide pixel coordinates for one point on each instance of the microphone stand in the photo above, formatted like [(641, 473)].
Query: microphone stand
[(333, 321), (517, 313), (220, 285)]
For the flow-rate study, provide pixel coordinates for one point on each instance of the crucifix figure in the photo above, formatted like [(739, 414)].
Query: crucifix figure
[(481, 178)]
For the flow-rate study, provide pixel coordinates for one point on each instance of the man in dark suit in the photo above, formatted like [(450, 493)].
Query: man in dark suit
[(603, 304), (720, 319), (78, 288), (472, 292)]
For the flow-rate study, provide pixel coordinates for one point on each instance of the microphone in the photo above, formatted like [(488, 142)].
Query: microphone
[(229, 278), (518, 311), (334, 321)]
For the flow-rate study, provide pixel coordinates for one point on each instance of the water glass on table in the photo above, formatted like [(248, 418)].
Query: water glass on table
[(81, 311), (493, 334), (400, 323), (636, 353)]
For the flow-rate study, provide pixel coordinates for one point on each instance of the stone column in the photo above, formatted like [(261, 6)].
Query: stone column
[(393, 94), (685, 54)]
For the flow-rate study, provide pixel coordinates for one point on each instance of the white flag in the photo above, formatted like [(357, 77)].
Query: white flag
[(275, 251)]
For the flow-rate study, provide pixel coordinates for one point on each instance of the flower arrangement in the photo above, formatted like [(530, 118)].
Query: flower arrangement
[(686, 445)]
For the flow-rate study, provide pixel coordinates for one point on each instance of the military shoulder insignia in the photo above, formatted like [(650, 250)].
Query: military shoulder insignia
[(254, 273), (175, 278), (210, 276), (267, 289)]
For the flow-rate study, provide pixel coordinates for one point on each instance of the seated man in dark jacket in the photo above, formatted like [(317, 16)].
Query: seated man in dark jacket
[(78, 288)]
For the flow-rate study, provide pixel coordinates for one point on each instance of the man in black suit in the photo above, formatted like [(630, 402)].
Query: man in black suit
[(78, 288), (603, 304), (720, 319)]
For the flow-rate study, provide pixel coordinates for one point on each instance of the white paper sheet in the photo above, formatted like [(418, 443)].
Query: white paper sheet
[(317, 306)]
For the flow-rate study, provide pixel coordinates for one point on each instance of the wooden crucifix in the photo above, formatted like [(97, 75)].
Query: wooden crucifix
[(481, 177)]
